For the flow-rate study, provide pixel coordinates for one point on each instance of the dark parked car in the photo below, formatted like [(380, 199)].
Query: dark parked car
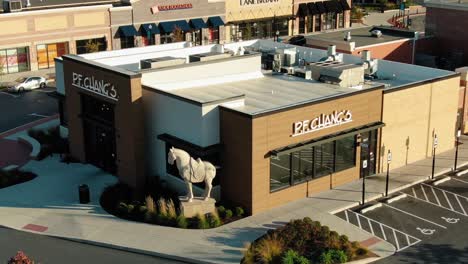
[(298, 40)]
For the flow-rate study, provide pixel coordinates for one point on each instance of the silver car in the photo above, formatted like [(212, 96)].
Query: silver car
[(29, 83)]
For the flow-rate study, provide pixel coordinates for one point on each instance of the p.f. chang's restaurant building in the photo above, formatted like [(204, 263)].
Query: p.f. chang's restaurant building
[(276, 136)]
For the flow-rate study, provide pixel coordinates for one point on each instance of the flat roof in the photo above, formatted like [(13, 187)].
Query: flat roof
[(461, 5), (362, 36), (65, 3), (270, 93)]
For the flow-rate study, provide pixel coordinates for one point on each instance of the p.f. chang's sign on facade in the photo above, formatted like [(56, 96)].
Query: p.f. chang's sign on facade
[(90, 83), (321, 122)]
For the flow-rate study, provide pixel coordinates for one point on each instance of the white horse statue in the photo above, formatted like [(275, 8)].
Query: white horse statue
[(192, 171)]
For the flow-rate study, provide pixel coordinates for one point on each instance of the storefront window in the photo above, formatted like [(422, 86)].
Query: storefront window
[(46, 53), (166, 38), (14, 60), (259, 29), (309, 24), (341, 20), (330, 21), (280, 168), (318, 23), (213, 35), (302, 25), (84, 46), (312, 163), (127, 42), (148, 40), (196, 37)]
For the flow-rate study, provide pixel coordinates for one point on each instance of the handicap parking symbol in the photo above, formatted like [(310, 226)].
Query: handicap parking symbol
[(426, 231), (451, 220)]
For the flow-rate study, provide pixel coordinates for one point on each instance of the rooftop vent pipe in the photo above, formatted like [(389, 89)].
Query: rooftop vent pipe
[(331, 50), (347, 36), (331, 55)]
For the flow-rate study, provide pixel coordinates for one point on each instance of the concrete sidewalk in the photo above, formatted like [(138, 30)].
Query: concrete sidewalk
[(49, 205)]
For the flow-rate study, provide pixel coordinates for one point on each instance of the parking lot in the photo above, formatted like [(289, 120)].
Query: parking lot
[(428, 224)]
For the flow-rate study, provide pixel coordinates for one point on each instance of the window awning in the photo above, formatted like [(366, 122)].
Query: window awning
[(150, 28), (325, 139), (345, 5), (330, 7), (313, 9), (338, 6), (302, 11), (215, 21), (169, 26), (197, 23), (127, 31), (320, 7)]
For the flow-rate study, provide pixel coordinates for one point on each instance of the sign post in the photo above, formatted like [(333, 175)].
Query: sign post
[(457, 142), (364, 166), (389, 160), (434, 146)]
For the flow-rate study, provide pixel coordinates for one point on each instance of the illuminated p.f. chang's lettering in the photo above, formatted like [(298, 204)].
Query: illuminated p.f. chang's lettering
[(92, 84), (321, 122)]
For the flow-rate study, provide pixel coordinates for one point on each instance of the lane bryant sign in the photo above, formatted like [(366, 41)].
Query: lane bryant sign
[(256, 2), (321, 122), (90, 83)]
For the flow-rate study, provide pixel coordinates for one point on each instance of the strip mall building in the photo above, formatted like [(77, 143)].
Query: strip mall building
[(278, 130)]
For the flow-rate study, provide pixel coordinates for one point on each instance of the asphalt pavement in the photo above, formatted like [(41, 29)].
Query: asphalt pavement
[(19, 109), (49, 250), (429, 225)]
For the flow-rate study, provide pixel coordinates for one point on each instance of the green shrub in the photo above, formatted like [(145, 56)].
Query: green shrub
[(292, 257), (150, 217), (239, 211), (130, 208), (221, 211), (213, 220), (228, 214), (360, 251), (182, 221), (20, 258), (338, 256), (122, 208), (325, 258), (202, 223)]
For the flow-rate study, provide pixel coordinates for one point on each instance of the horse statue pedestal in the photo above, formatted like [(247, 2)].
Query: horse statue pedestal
[(197, 206)]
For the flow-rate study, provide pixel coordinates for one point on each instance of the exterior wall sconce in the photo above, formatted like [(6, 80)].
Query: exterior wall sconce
[(358, 140)]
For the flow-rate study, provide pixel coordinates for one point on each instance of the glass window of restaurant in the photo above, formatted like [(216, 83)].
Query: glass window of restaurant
[(127, 42), (302, 24), (341, 20), (90, 45), (14, 60), (312, 162), (318, 23), (260, 29), (46, 53), (213, 35), (330, 21)]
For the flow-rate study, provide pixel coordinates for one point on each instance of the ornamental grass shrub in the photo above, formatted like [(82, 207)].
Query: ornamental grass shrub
[(201, 221), (214, 220), (162, 206), (171, 210), (228, 214), (182, 221), (303, 241)]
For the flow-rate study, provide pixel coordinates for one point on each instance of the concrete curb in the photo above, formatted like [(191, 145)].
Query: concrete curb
[(370, 208), (32, 142), (458, 174), (441, 181), (364, 261), (396, 198)]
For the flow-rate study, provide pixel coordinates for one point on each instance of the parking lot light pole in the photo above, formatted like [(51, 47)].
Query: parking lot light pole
[(457, 142), (434, 146), (389, 160)]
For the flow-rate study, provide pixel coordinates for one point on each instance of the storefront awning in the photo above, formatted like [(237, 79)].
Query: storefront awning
[(325, 139), (127, 31), (150, 28), (169, 26), (302, 11), (320, 7), (345, 5), (197, 23), (313, 9), (330, 6), (338, 6), (215, 21)]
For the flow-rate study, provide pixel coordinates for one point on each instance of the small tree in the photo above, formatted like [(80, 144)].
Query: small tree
[(177, 34), (91, 46)]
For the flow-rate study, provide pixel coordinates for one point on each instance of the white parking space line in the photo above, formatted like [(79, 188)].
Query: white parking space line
[(458, 195), (459, 180), (415, 216), (448, 201), (435, 195), (414, 192), (451, 210), (424, 192), (392, 230), (34, 114), (12, 95), (460, 204)]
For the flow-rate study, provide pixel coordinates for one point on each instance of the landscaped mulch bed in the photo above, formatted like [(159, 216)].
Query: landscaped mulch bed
[(12, 177)]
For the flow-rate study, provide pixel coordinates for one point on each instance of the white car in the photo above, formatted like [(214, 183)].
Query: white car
[(29, 83)]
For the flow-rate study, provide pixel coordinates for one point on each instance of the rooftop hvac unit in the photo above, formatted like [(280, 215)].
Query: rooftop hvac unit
[(370, 65), (209, 56), (161, 62), (376, 33), (13, 5), (332, 55)]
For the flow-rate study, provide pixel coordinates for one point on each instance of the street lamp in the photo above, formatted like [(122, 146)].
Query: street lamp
[(389, 160), (457, 142), (434, 146)]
